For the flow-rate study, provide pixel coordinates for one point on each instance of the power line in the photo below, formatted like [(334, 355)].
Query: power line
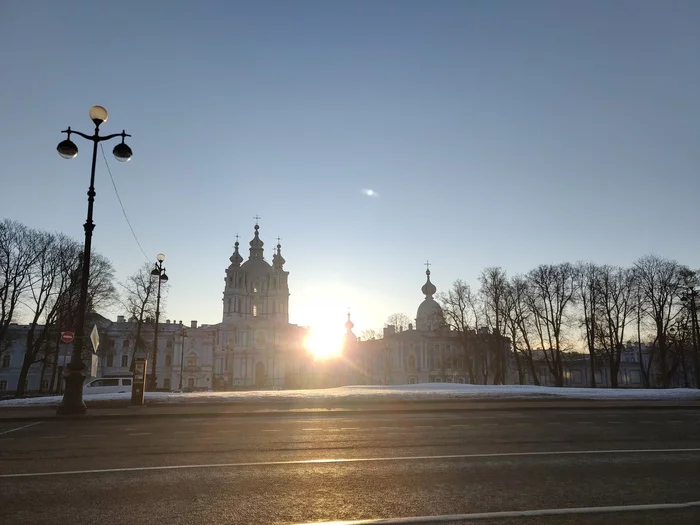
[(121, 204)]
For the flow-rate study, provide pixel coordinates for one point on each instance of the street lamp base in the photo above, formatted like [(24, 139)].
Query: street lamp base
[(72, 402)]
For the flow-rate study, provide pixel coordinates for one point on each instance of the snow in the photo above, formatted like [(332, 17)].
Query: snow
[(419, 392)]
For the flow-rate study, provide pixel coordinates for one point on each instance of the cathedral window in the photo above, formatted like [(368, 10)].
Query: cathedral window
[(255, 310)]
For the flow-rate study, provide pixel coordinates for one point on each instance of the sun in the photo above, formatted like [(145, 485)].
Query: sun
[(323, 343)]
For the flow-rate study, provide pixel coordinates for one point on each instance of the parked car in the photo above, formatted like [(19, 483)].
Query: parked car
[(108, 385)]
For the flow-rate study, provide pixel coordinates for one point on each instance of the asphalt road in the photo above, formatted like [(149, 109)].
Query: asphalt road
[(300, 469)]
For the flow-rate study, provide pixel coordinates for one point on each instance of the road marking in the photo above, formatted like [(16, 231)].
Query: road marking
[(676, 421), (94, 435), (309, 429), (422, 426), (388, 428), (461, 425), (446, 518), (349, 428), (140, 434), (647, 422), (53, 437), (357, 460), (228, 431), (269, 430), (585, 422), (616, 422), (184, 432), (19, 428)]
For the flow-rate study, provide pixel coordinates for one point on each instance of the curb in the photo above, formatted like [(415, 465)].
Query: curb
[(207, 412)]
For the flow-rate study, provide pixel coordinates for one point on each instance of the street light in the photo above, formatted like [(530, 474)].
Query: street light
[(72, 402), (689, 297), (159, 273)]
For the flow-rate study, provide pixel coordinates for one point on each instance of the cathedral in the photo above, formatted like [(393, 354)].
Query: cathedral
[(255, 345)]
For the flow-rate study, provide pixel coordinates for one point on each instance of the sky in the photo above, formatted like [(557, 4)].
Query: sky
[(490, 133)]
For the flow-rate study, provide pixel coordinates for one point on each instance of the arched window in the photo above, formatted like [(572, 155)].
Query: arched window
[(168, 360), (6, 361), (411, 362), (192, 359)]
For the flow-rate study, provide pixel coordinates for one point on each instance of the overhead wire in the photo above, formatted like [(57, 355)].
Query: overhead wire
[(121, 204)]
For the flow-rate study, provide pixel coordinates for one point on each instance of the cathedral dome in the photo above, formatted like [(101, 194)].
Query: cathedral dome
[(429, 315)]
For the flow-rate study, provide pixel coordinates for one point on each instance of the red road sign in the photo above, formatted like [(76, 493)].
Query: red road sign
[(67, 337)]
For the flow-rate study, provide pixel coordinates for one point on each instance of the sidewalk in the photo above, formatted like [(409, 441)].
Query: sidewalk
[(336, 407)]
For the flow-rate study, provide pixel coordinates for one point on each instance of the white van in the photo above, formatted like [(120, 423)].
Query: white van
[(108, 385)]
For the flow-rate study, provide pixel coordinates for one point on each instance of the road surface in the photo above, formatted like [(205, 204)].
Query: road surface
[(304, 468)]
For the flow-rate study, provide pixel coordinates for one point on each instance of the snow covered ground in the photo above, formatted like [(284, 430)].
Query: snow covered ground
[(420, 392)]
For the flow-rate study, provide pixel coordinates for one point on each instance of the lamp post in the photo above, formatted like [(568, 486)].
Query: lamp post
[(159, 273), (72, 402), (689, 297), (182, 354)]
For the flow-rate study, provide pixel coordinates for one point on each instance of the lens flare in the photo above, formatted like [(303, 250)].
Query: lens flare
[(323, 343)]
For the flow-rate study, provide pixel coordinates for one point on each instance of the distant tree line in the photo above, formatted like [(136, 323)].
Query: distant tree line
[(555, 310)]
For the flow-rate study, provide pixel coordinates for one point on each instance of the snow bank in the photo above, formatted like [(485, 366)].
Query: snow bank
[(419, 392)]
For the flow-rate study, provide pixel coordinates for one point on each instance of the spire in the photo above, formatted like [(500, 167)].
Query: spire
[(349, 325), (256, 245), (236, 258), (277, 259), (428, 288)]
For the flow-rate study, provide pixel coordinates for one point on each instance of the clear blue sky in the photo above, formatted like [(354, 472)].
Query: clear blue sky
[(495, 133)]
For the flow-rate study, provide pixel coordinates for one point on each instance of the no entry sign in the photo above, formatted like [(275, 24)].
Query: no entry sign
[(67, 337)]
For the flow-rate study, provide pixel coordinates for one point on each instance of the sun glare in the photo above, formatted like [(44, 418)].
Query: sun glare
[(323, 343)]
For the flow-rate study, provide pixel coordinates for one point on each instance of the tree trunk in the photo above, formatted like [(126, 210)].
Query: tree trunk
[(53, 387), (23, 373), (519, 365), (614, 370), (41, 377)]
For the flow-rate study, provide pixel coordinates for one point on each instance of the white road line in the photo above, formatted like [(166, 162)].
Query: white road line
[(675, 421), (349, 428), (423, 426), (270, 430), (388, 428), (446, 518), (184, 432), (358, 460), (615, 422), (585, 422), (19, 428), (309, 429), (94, 435), (140, 434)]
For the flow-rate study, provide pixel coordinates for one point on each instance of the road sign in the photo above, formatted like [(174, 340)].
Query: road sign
[(67, 337), (95, 338)]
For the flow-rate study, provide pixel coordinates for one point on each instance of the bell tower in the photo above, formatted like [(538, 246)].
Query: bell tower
[(256, 289)]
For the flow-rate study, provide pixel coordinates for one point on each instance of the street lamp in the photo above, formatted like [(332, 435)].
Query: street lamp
[(159, 273), (183, 334), (689, 297), (72, 402)]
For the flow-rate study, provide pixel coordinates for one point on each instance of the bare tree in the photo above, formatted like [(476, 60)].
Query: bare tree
[(52, 296), (518, 322), (399, 321), (552, 293), (493, 291), (587, 291), (659, 285), (369, 334), (17, 255), (615, 308), (461, 313), (139, 300)]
